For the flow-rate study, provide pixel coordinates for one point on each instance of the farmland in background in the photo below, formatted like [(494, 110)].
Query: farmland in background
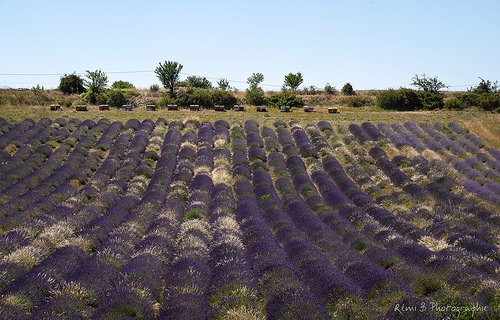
[(367, 215)]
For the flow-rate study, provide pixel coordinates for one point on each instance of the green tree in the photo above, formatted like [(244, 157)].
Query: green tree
[(485, 86), (255, 94), (168, 74), (427, 84), (38, 92), (116, 98), (348, 90), (198, 82), (223, 84), (329, 89), (255, 79), (285, 99), (293, 81), (71, 83), (122, 85), (96, 83)]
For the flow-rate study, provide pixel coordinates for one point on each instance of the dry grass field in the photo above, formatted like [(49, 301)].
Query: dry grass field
[(483, 124)]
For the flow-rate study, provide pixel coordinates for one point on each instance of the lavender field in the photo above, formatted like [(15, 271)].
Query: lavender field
[(247, 220)]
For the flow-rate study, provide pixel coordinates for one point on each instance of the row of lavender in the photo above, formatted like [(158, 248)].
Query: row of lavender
[(220, 221)]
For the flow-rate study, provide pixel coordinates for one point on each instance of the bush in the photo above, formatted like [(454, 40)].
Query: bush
[(255, 96), (356, 101), (154, 88), (348, 90), (401, 100), (122, 85), (284, 99), (431, 100), (222, 97), (116, 98), (454, 104), (203, 97), (489, 101), (71, 84)]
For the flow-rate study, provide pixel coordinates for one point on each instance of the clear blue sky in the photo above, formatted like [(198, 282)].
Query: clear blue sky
[(375, 44)]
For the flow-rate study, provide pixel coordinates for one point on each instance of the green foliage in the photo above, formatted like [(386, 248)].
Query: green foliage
[(427, 284), (65, 102), (168, 74), (489, 101), (427, 84), (255, 79), (431, 100), (116, 98), (293, 81), (205, 98), (96, 83), (329, 89), (453, 104), (154, 88), (223, 84), (284, 99), (402, 100), (255, 96), (122, 85), (485, 86), (348, 90), (192, 215), (356, 101), (198, 82), (222, 97), (71, 84), (39, 94)]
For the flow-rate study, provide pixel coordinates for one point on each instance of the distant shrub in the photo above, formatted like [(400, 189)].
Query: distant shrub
[(116, 98), (285, 99), (65, 102), (154, 88), (348, 90), (71, 84), (122, 85), (356, 101), (402, 100), (430, 100), (489, 101), (255, 96), (329, 89)]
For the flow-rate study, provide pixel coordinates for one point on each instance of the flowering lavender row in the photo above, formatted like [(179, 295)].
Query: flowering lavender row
[(116, 250), (201, 220), (471, 169), (58, 182), (28, 142), (452, 254), (15, 132), (114, 215), (44, 149), (284, 294), (356, 267)]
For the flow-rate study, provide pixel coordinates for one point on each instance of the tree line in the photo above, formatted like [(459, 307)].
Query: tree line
[(428, 94)]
